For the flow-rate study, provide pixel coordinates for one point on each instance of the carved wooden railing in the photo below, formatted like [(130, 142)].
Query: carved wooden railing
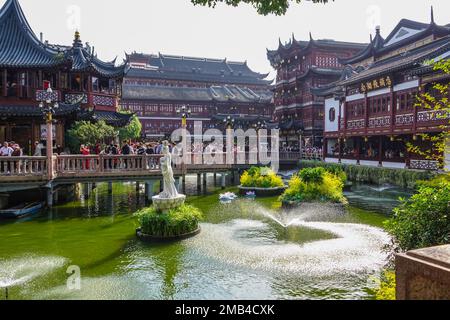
[(65, 166), (23, 166), (98, 164)]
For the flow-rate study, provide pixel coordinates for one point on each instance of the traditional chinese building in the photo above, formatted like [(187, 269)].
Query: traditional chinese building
[(302, 65), (371, 112), (156, 86), (85, 87)]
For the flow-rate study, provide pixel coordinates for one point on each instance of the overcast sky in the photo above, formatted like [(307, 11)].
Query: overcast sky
[(178, 27)]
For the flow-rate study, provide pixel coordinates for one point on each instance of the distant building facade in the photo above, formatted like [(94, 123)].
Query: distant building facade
[(371, 112), (300, 66), (85, 87), (156, 86)]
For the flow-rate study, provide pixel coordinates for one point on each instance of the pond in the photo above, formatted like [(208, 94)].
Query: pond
[(246, 250)]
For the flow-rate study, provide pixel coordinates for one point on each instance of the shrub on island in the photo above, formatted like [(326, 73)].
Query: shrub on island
[(315, 185), (263, 181), (176, 223)]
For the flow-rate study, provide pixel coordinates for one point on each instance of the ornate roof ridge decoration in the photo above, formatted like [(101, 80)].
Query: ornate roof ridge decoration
[(19, 46), (301, 45), (85, 59), (418, 30)]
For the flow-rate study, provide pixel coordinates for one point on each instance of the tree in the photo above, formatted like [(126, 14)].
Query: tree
[(437, 100), (85, 132), (132, 130), (264, 7)]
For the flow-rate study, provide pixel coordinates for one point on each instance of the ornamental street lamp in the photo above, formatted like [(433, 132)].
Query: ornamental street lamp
[(229, 122), (48, 106), (259, 125), (185, 113)]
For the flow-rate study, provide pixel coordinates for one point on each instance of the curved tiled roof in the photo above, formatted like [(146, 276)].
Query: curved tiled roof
[(195, 69), (412, 31), (214, 93), (413, 58), (85, 60), (19, 46), (195, 76), (305, 45), (35, 111)]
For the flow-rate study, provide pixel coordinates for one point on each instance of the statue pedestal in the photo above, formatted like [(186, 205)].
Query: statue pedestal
[(164, 204)]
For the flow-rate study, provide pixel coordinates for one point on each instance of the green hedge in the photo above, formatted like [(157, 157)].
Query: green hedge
[(374, 175)]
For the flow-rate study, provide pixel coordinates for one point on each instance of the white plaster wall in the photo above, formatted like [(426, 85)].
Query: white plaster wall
[(406, 85), (348, 161), (394, 165), (331, 160), (355, 97), (369, 163), (331, 126)]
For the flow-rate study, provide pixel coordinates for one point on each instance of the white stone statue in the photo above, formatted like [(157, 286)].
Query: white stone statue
[(169, 198), (170, 191)]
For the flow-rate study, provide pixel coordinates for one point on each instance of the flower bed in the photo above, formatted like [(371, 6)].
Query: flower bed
[(261, 181)]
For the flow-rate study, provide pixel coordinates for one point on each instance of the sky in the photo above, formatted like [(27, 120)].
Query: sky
[(177, 27)]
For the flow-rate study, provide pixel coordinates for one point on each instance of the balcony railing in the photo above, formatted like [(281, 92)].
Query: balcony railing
[(93, 98)]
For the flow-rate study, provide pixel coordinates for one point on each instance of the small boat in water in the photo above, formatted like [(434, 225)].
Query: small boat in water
[(21, 211), (227, 197)]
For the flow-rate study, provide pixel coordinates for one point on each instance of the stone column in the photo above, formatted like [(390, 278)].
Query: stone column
[(50, 196), (183, 190), (199, 182), (149, 190), (224, 180), (205, 180)]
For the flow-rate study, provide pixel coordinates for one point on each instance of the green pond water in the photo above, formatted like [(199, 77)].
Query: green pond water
[(246, 250)]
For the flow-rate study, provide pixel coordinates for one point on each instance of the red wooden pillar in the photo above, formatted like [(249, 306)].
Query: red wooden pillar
[(380, 151)]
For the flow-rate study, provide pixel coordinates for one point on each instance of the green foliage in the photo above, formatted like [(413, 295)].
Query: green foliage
[(435, 100), (313, 175), (423, 220), (132, 130), (257, 177), (387, 289), (85, 132), (179, 221), (264, 7), (373, 175), (314, 184)]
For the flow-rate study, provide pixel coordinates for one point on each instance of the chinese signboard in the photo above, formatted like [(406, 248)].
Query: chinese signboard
[(44, 132), (384, 82)]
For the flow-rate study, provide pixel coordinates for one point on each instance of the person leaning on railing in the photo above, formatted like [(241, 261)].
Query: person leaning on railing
[(6, 151)]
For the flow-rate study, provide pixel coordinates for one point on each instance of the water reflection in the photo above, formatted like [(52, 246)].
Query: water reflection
[(247, 250)]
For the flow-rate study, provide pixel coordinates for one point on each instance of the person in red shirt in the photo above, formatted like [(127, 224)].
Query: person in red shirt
[(85, 152)]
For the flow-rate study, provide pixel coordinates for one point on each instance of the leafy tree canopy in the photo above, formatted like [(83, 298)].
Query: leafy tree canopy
[(132, 130), (264, 7), (85, 132)]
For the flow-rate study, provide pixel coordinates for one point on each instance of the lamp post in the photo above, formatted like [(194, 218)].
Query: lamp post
[(259, 126), (229, 125), (185, 113), (48, 106)]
